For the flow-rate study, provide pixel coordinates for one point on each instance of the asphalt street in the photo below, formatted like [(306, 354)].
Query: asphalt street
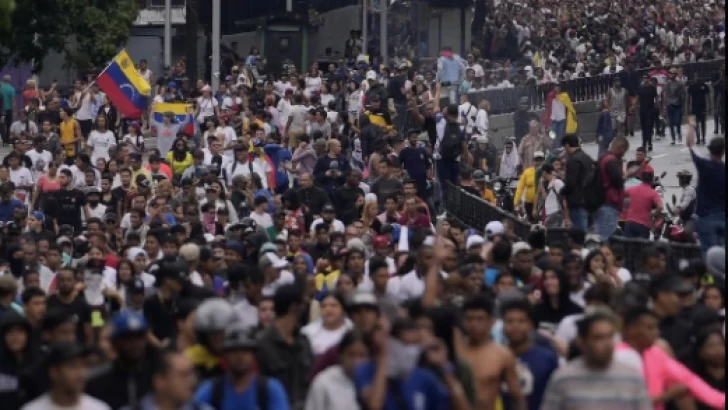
[(665, 157)]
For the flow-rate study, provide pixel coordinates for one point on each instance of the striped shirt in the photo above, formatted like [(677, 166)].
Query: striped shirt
[(577, 387)]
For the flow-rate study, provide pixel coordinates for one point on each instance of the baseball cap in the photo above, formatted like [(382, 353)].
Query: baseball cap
[(64, 352), (362, 298), (328, 208), (474, 240), (135, 155), (268, 247), (380, 242), (271, 260), (371, 75), (539, 154), (38, 215), (136, 286), (519, 247), (128, 323), (669, 283), (494, 228), (238, 336)]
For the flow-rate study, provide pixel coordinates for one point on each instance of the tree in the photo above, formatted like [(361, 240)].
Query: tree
[(88, 32), (6, 11)]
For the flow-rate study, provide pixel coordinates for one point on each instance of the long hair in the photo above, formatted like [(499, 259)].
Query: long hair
[(177, 153)]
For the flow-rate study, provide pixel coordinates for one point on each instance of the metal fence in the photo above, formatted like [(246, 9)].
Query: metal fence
[(507, 100), (476, 213)]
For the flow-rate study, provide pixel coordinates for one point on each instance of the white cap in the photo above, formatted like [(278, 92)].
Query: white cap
[(494, 228), (539, 154), (206, 88), (371, 75), (370, 197), (481, 139), (474, 240), (271, 259), (519, 247)]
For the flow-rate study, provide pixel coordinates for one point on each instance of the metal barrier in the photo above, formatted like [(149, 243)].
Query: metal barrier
[(507, 100), (476, 213)]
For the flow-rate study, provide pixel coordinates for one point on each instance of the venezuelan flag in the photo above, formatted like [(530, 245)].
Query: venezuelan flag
[(259, 154), (126, 88), (181, 113)]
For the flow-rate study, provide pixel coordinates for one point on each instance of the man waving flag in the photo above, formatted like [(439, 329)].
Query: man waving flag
[(124, 86)]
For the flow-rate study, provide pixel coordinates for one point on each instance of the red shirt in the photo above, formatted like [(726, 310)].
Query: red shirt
[(419, 220), (642, 200)]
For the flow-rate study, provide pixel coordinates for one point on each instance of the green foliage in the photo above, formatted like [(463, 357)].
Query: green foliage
[(88, 32), (6, 11)]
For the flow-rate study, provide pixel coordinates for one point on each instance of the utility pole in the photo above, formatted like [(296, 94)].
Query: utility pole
[(383, 31), (191, 27), (167, 33), (364, 27), (215, 77)]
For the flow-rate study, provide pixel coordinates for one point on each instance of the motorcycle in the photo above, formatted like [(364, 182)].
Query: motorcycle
[(668, 227), (505, 191)]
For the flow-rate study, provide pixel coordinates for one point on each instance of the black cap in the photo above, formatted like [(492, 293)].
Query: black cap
[(135, 155), (328, 208), (136, 286), (62, 353), (452, 110), (669, 283)]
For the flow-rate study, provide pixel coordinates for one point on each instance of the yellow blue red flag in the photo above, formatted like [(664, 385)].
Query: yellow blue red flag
[(124, 86)]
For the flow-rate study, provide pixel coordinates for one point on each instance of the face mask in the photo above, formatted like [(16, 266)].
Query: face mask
[(403, 358)]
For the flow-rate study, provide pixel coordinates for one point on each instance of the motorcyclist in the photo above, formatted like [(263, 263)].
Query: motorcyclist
[(685, 208), (481, 182), (211, 319)]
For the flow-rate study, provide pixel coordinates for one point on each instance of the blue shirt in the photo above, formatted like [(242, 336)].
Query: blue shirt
[(414, 161), (711, 185), (7, 209), (421, 391), (247, 400), (534, 369)]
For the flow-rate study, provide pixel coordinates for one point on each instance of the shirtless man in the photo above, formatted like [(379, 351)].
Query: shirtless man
[(491, 363)]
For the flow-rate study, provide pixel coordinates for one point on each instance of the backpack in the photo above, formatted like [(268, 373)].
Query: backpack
[(261, 392), (451, 144), (594, 195)]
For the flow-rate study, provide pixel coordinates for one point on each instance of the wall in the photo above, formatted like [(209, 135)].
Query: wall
[(450, 33), (334, 31), (245, 41)]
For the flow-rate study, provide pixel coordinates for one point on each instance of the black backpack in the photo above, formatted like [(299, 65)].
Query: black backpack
[(593, 187), (451, 145), (218, 392)]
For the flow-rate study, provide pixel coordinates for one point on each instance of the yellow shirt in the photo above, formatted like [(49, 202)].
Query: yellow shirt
[(488, 195), (179, 167), (527, 183), (68, 134), (327, 278)]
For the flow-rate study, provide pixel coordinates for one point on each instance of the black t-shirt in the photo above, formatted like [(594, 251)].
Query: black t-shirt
[(647, 96), (698, 93), (394, 89), (112, 202), (69, 205), (161, 316), (78, 308)]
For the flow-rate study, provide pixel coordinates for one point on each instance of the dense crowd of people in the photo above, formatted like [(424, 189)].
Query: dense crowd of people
[(283, 247)]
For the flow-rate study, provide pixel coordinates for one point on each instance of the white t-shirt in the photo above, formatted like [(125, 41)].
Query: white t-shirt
[(552, 203), (412, 286), (468, 113), (322, 339), (79, 176), (263, 220), (137, 140), (558, 110), (85, 108), (477, 70), (313, 84), (284, 108), (40, 162), (101, 142), (21, 176), (298, 115), (285, 278), (236, 168), (86, 403), (207, 108)]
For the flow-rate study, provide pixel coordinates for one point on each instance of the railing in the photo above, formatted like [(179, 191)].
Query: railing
[(507, 100), (476, 213)]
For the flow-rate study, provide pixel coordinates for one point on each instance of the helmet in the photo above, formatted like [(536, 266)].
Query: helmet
[(214, 315), (685, 175), (479, 175), (239, 336)]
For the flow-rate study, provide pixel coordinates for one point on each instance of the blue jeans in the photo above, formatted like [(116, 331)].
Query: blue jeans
[(447, 171), (711, 230), (559, 128), (674, 118), (607, 218), (635, 230), (579, 218)]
